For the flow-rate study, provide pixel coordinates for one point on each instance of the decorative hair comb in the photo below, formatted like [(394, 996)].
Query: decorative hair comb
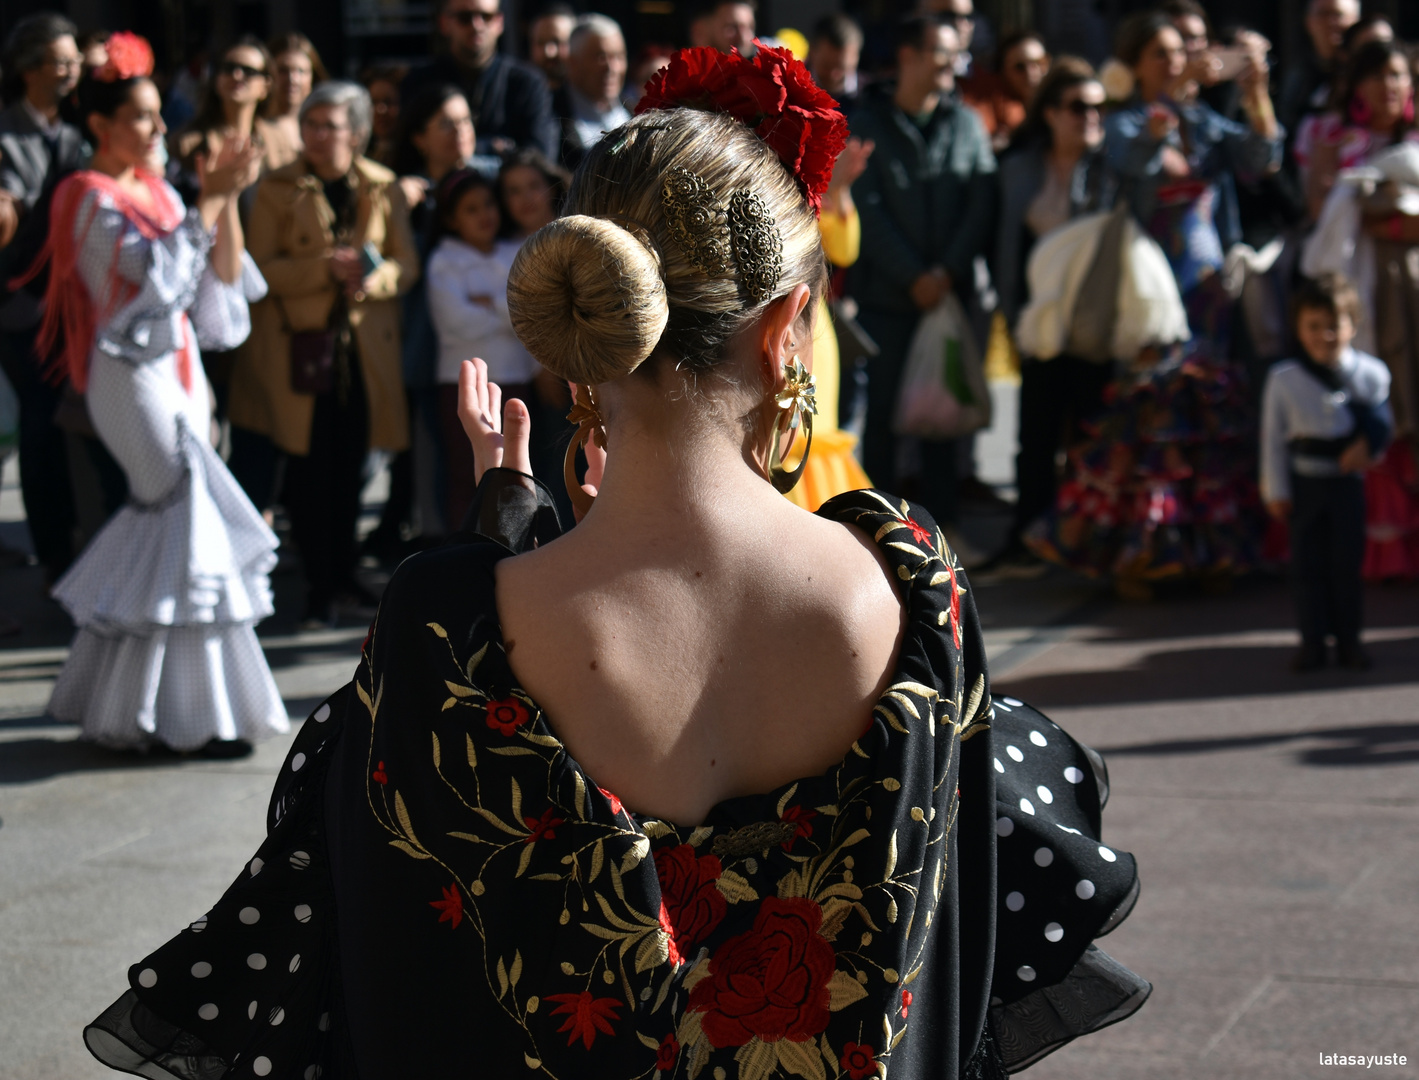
[(772, 93)]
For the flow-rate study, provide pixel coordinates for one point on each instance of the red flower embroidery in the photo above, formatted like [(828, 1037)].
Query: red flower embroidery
[(772, 93), (543, 828), (956, 591), (615, 802), (507, 715), (691, 905), (380, 776), (920, 533), (906, 1002), (585, 1015), (857, 1060), (668, 1053), (802, 819), (451, 905), (771, 982)]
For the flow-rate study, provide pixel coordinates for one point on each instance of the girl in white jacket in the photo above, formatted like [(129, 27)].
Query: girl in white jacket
[(467, 289)]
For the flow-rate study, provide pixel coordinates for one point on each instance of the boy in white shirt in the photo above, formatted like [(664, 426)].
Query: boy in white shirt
[(1325, 419)]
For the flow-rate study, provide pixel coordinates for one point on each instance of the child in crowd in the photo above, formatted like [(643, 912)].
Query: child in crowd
[(1325, 418), (467, 289)]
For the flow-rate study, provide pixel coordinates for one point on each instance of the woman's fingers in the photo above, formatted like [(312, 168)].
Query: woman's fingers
[(479, 424), (517, 433)]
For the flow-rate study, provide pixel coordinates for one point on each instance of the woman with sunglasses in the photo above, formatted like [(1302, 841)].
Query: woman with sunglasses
[(1053, 172), (238, 85), (1002, 97)]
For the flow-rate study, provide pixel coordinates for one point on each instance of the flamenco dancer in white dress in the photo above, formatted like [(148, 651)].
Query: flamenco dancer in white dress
[(167, 595)]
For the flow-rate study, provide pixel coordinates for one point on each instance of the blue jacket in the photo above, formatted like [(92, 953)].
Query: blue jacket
[(1219, 150), (926, 199)]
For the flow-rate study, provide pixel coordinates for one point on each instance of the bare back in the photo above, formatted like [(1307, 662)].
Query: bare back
[(681, 670)]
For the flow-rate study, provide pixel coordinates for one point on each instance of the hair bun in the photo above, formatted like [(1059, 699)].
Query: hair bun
[(587, 298)]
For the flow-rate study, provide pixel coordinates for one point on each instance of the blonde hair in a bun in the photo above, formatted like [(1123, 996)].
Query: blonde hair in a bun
[(587, 299), (597, 293)]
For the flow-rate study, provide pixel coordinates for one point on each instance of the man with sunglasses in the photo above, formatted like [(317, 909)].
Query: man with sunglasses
[(42, 64), (510, 100)]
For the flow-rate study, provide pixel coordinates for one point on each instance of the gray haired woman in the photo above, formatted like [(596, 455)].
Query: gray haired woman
[(331, 234)]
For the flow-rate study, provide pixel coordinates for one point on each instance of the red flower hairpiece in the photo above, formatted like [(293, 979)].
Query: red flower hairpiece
[(129, 57), (772, 93)]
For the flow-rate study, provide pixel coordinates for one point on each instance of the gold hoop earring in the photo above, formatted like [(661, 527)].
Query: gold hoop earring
[(797, 405), (587, 417)]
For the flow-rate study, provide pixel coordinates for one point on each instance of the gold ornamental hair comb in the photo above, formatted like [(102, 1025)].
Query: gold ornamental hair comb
[(715, 239)]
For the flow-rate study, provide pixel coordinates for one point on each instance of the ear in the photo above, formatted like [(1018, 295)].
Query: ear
[(784, 333), (97, 124)]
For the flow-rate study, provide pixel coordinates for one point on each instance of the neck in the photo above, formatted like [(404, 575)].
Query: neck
[(685, 482), (914, 100), (330, 172), (44, 104), (240, 118), (1064, 158), (105, 162), (1150, 94), (439, 171)]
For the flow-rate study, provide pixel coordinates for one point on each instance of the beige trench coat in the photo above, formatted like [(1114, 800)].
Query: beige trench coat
[(290, 236)]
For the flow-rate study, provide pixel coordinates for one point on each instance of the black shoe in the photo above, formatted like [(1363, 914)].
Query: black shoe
[(1308, 658), (1353, 658), (225, 749), (1014, 562), (356, 601), (975, 492), (318, 616)]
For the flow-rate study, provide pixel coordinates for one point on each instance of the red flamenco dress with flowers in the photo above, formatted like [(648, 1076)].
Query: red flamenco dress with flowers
[(444, 891)]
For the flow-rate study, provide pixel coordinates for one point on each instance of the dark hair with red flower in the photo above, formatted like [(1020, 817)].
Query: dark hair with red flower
[(129, 57), (771, 93)]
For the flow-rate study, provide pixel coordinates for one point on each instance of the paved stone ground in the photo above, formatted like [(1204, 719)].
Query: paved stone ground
[(1275, 820)]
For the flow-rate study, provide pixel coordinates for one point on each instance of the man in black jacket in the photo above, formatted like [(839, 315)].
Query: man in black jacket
[(37, 149), (927, 200), (510, 101)]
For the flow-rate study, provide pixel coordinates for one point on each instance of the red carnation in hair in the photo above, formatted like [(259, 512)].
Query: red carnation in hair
[(772, 93), (129, 57)]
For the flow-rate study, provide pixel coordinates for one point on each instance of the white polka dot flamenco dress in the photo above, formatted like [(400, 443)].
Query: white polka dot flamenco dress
[(166, 597)]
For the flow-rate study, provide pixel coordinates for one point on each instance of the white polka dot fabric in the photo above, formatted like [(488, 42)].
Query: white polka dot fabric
[(166, 596)]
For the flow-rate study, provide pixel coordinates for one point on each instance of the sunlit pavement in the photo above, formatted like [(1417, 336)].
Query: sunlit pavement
[(1275, 818)]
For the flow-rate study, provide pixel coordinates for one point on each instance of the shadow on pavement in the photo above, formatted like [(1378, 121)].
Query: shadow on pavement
[(1222, 671), (1374, 744)]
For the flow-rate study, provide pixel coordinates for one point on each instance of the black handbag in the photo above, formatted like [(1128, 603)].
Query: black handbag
[(313, 352)]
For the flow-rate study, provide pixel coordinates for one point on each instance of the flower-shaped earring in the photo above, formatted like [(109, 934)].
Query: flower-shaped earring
[(797, 404)]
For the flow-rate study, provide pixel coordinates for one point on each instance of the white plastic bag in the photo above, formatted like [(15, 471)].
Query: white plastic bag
[(943, 393)]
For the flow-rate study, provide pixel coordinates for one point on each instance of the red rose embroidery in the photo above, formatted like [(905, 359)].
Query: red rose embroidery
[(668, 1053), (585, 1016), (802, 819), (770, 983), (691, 905), (906, 1002), (772, 93), (615, 802), (543, 828), (920, 533), (451, 905), (507, 715), (857, 1060), (380, 776)]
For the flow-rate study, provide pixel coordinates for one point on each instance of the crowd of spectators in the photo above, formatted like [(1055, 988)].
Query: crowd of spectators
[(390, 208)]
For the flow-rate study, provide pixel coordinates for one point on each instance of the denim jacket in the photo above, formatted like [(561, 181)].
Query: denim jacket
[(1219, 150)]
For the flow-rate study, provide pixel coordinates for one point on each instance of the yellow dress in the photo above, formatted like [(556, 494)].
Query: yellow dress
[(831, 467)]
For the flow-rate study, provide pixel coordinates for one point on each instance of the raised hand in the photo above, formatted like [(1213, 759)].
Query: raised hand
[(498, 432), (234, 167)]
